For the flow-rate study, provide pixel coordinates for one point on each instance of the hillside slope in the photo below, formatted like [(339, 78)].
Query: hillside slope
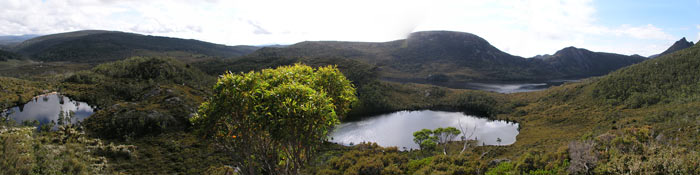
[(661, 93), (102, 46)]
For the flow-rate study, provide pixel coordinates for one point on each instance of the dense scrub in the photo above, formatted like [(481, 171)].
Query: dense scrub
[(172, 153), (5, 55), (139, 95), (368, 158), (666, 79), (17, 91), (66, 151)]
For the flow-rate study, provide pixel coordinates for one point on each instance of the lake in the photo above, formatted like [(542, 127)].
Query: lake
[(45, 108), (514, 87), (506, 87), (396, 129)]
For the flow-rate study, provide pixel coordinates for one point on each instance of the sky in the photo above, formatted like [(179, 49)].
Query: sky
[(520, 27)]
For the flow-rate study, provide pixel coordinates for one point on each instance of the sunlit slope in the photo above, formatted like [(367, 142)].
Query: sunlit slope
[(661, 93)]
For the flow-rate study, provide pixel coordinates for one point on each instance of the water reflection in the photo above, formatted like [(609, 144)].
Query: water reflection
[(48, 109), (396, 129)]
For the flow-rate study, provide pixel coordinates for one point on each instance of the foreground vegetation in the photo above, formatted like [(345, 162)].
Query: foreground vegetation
[(638, 120)]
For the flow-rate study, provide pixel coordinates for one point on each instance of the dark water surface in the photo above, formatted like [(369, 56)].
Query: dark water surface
[(46, 108), (396, 129)]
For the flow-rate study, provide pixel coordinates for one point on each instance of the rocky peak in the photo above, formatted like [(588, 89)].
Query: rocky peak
[(678, 45)]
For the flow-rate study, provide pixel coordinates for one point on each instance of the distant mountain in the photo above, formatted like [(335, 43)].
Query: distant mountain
[(444, 56), (678, 45), (273, 45), (12, 40), (102, 46), (458, 56), (577, 63)]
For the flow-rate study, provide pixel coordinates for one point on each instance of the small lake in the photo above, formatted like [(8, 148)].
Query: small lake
[(396, 129), (512, 87), (505, 87), (46, 108)]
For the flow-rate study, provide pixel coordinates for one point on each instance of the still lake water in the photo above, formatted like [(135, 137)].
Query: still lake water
[(45, 108), (512, 87), (396, 129)]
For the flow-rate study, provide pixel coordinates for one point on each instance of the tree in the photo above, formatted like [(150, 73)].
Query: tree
[(428, 145), (271, 121), (61, 116), (445, 135), (428, 139), (465, 138), (419, 137)]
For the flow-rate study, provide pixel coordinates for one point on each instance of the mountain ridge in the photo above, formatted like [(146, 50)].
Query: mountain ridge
[(450, 56), (102, 46), (579, 62)]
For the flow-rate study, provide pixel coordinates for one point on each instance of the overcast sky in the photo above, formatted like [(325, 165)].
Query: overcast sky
[(520, 27)]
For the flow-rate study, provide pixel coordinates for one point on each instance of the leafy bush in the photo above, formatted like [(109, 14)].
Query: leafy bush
[(273, 120)]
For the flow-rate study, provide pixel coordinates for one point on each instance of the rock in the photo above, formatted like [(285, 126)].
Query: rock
[(498, 161), (660, 138), (173, 100), (152, 93)]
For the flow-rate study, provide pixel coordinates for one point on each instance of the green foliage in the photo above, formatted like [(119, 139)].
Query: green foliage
[(5, 55), (429, 139), (66, 151), (428, 145), (273, 120), (504, 168), (445, 135), (420, 137), (372, 159), (150, 68), (132, 79), (665, 79), (414, 165), (168, 153), (139, 96), (480, 103), (17, 91), (635, 151)]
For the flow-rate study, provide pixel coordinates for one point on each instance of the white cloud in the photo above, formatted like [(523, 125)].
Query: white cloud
[(522, 27), (644, 32), (531, 27), (698, 39)]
